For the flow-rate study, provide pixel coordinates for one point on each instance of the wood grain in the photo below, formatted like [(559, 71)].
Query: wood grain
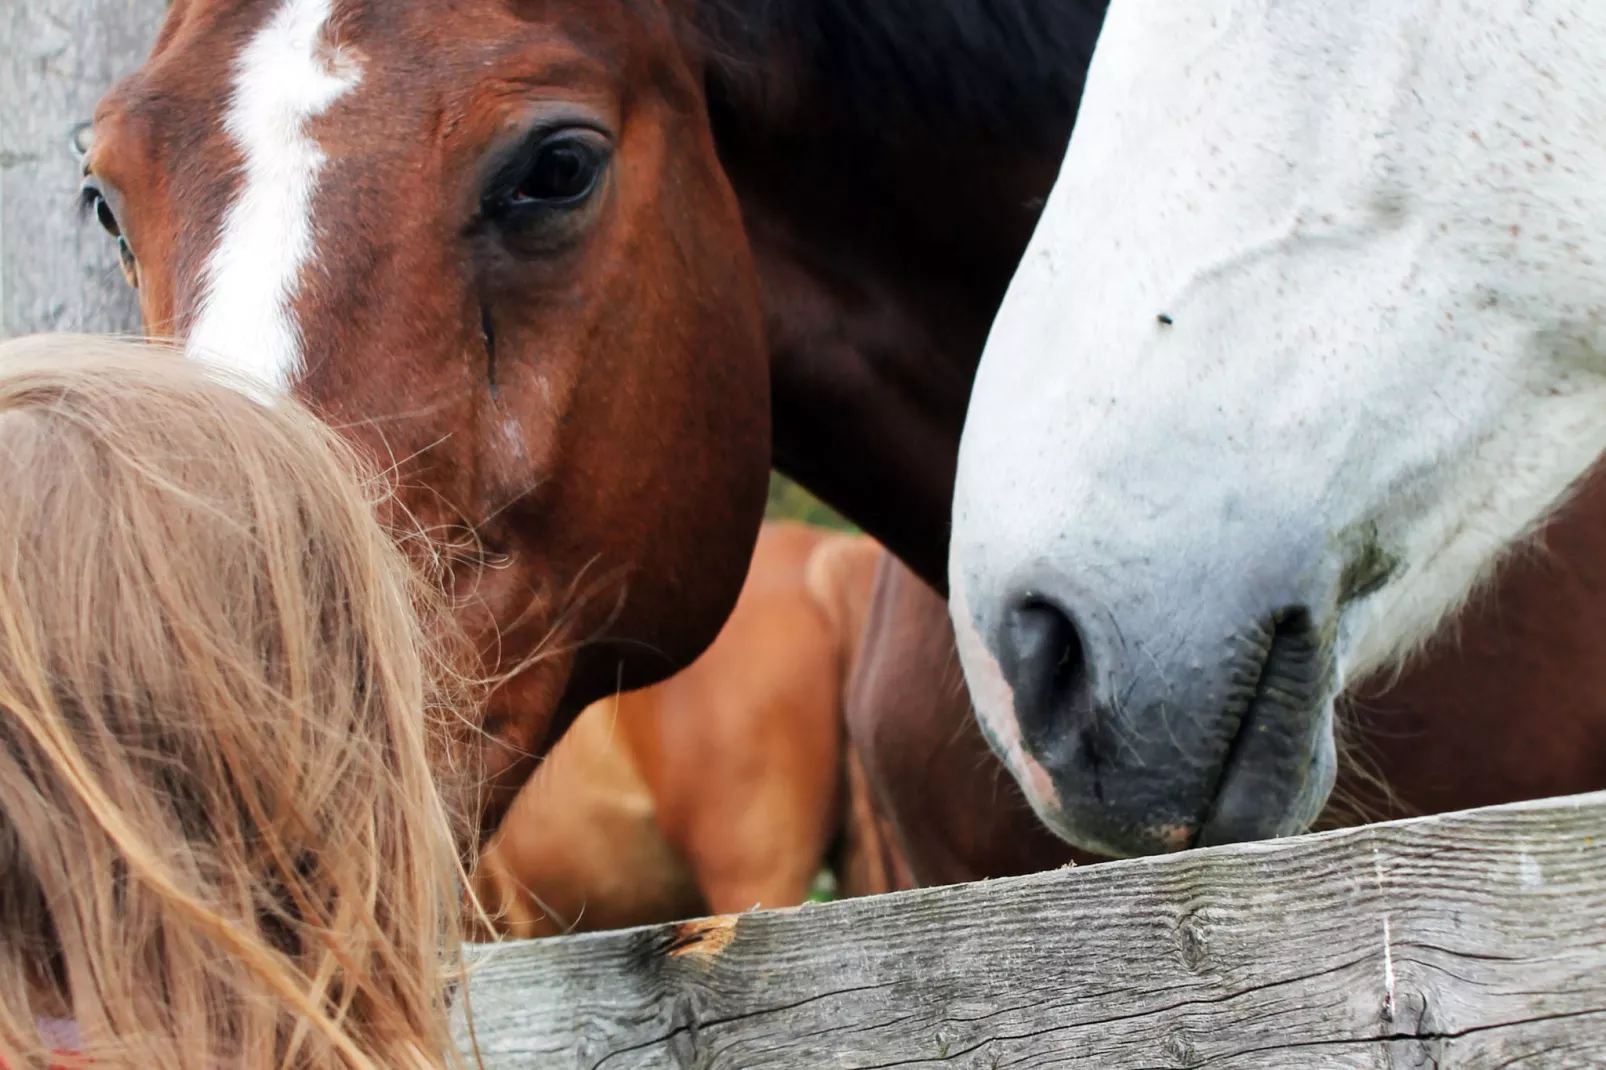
[(1467, 940), (56, 59)]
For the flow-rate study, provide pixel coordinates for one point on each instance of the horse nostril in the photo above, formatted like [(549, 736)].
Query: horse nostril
[(1045, 662)]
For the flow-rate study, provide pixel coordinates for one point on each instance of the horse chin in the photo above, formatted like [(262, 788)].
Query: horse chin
[(1280, 764), (1262, 795), (1277, 778), (524, 716)]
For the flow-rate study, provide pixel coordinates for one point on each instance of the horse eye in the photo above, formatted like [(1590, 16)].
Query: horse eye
[(103, 212), (92, 200), (564, 171)]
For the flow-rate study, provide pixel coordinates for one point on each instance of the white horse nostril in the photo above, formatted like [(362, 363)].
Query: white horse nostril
[(1044, 657)]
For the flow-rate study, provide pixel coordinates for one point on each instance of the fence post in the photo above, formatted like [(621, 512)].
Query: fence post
[(56, 58)]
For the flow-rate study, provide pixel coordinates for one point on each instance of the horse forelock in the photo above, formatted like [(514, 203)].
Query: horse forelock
[(289, 72)]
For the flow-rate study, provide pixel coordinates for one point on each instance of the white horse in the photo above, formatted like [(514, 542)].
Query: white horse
[(1313, 327)]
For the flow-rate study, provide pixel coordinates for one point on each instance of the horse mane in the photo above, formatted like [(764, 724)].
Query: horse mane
[(1006, 69)]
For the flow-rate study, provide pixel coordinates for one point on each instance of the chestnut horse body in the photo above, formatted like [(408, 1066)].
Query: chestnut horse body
[(717, 790), (561, 262)]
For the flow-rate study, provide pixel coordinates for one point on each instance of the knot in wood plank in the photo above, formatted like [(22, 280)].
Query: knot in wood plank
[(1193, 942)]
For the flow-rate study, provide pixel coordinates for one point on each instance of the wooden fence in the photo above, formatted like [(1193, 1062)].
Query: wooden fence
[(1467, 940)]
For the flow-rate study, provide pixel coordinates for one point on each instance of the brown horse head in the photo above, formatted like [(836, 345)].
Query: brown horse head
[(492, 241)]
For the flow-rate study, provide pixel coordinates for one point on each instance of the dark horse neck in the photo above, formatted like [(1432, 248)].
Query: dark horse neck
[(891, 158)]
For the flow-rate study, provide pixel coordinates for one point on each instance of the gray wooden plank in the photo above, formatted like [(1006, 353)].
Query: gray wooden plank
[(1466, 940), (56, 59)]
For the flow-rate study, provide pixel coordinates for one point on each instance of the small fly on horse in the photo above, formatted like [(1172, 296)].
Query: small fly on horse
[(717, 790), (1309, 334), (566, 261)]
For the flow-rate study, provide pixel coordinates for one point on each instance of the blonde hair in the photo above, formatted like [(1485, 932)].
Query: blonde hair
[(221, 842)]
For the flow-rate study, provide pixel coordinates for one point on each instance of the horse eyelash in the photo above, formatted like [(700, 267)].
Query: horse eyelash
[(89, 197)]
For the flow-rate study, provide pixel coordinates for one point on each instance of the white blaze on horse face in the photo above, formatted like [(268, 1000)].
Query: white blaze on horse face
[(1318, 304), (287, 75)]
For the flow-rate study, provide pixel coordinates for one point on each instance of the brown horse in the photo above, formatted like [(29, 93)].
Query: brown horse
[(717, 790), (500, 243), (1511, 705)]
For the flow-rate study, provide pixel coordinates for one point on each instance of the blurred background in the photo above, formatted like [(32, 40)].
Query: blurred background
[(788, 501)]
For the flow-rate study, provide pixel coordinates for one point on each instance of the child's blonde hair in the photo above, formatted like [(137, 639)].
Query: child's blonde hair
[(221, 844)]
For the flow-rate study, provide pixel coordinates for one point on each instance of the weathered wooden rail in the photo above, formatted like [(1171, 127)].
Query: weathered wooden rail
[(1466, 940)]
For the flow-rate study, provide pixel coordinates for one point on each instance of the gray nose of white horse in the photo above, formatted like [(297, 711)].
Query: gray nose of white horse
[(1040, 651), (1162, 734)]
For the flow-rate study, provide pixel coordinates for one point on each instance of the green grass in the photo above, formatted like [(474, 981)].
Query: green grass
[(824, 890), (788, 501)]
